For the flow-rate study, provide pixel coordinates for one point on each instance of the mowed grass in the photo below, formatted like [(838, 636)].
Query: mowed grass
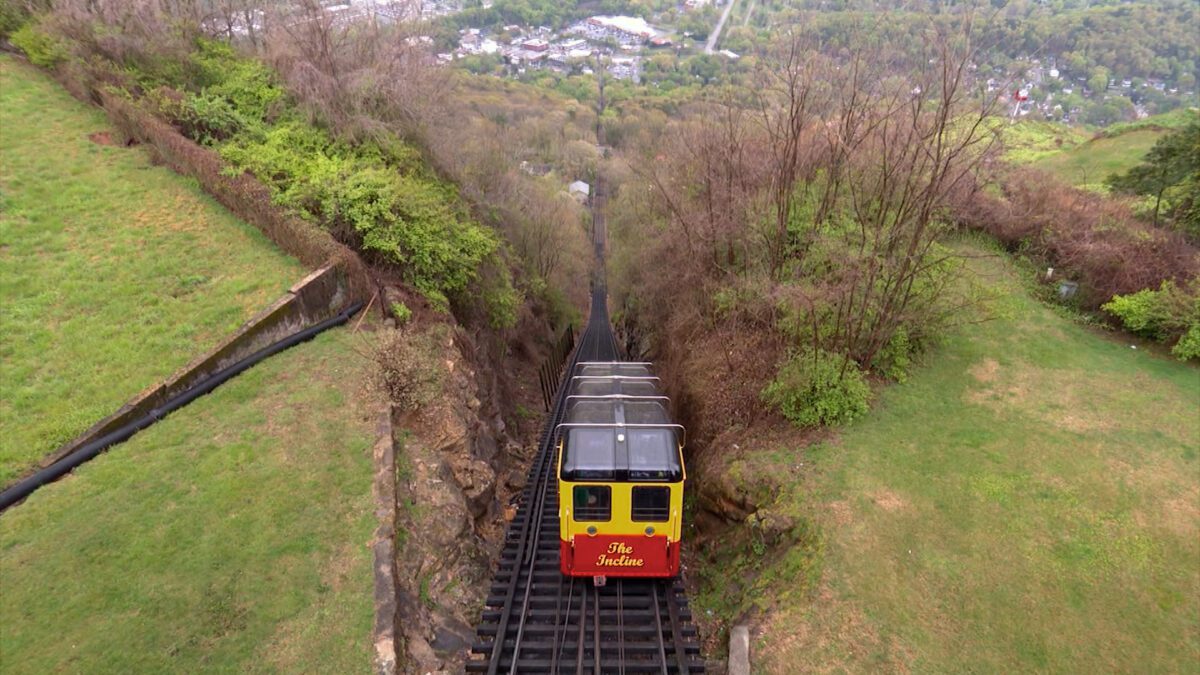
[(1029, 501), (231, 537), (113, 273)]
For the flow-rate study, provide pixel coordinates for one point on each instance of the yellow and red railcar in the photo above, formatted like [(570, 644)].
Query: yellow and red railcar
[(620, 475)]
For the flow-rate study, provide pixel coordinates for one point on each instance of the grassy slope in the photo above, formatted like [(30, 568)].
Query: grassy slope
[(1028, 501), (1090, 163), (1028, 141), (114, 273), (233, 536), (1071, 154)]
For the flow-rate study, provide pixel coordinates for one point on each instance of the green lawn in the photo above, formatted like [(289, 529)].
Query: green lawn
[(1025, 141), (1089, 164), (114, 273), (231, 537), (1076, 155), (1029, 501)]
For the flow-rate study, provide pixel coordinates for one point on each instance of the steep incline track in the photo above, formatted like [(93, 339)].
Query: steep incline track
[(537, 620)]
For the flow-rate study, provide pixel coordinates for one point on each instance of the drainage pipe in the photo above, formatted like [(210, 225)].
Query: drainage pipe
[(86, 452)]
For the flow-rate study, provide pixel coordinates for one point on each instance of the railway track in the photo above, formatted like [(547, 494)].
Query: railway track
[(538, 621)]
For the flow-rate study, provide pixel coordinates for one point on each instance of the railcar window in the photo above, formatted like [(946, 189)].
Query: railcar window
[(590, 454), (651, 504), (646, 412), (653, 455), (593, 503)]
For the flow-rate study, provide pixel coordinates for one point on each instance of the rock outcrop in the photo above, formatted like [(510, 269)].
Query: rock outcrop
[(451, 505)]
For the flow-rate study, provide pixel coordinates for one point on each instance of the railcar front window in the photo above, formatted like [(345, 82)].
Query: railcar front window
[(590, 454), (651, 504), (653, 455), (593, 503)]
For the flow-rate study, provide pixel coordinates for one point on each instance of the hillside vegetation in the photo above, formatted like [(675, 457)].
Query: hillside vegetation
[(1027, 501), (114, 272)]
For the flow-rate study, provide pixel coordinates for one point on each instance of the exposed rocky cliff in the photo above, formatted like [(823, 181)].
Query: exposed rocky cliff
[(459, 465)]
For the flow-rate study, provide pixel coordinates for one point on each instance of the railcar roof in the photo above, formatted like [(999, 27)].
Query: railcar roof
[(616, 426), (614, 369), (607, 386)]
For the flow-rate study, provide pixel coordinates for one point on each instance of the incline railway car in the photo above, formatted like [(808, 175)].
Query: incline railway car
[(620, 475)]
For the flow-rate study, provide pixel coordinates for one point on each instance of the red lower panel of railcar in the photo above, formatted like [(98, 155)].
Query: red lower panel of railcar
[(619, 556)]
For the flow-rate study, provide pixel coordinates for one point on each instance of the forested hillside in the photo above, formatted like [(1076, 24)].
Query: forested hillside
[(920, 278)]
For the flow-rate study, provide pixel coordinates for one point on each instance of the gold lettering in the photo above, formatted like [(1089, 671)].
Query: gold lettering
[(604, 560)]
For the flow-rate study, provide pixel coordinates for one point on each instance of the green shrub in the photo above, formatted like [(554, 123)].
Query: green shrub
[(206, 119), (1188, 346), (1170, 315), (416, 222), (818, 387), (402, 313), (43, 49), (1140, 312), (896, 356), (248, 86), (13, 15), (501, 300)]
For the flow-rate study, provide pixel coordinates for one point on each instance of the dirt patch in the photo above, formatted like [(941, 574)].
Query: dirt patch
[(1069, 400), (1182, 515), (840, 512), (888, 501), (985, 371), (101, 138)]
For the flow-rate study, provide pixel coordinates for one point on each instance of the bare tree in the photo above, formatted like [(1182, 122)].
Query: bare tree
[(834, 184), (359, 77)]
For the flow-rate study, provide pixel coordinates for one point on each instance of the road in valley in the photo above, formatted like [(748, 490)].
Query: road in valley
[(716, 33)]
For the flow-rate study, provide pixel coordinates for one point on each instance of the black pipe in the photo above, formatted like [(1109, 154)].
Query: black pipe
[(55, 471)]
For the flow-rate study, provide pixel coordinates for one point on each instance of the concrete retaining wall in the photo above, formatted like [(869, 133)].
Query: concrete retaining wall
[(739, 651), (313, 299), (385, 639)]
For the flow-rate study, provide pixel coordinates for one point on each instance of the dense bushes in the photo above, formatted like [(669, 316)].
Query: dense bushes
[(374, 193), (811, 215), (42, 48), (815, 387), (1170, 315), (1086, 237), (407, 219)]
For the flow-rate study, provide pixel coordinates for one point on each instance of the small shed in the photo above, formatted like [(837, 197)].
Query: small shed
[(580, 191)]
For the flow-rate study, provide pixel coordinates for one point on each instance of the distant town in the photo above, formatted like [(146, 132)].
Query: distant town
[(1044, 87), (615, 41), (1045, 92)]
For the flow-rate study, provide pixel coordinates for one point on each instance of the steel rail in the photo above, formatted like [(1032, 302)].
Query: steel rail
[(658, 632), (524, 548)]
